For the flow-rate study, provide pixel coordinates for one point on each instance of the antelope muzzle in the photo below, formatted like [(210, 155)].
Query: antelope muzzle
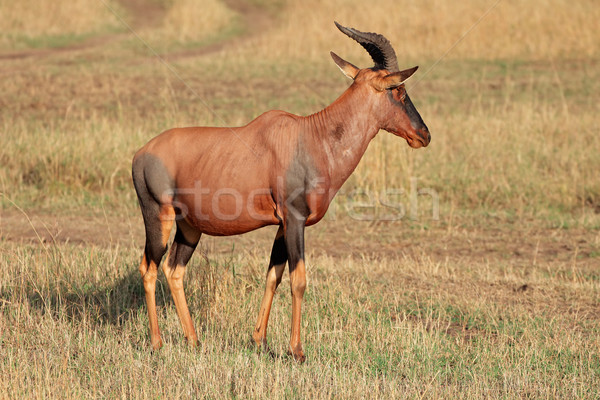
[(421, 136)]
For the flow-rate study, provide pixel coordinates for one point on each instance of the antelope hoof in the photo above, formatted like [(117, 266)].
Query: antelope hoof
[(258, 341), (156, 345), (261, 345), (298, 355)]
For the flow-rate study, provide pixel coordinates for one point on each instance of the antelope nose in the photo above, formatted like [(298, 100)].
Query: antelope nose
[(425, 135)]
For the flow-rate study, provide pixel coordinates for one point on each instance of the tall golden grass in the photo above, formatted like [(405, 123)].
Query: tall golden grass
[(189, 20), (172, 21), (34, 18), (427, 29), (420, 30)]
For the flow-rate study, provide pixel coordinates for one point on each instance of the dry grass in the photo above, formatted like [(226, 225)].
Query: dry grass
[(427, 29), (31, 23), (501, 142), (193, 21), (387, 327), (499, 298), (420, 30)]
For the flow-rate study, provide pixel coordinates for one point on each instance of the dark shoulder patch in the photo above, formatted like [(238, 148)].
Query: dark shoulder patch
[(338, 132)]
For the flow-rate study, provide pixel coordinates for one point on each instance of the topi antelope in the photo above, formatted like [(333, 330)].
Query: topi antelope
[(280, 169)]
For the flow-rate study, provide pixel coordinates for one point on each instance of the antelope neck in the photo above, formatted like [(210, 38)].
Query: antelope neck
[(341, 133)]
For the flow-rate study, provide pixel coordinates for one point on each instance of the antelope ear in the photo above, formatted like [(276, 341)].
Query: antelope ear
[(348, 69), (395, 79)]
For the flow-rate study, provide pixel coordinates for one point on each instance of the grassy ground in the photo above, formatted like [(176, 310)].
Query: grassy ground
[(497, 297)]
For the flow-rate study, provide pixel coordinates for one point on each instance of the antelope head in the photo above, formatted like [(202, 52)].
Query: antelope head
[(395, 110)]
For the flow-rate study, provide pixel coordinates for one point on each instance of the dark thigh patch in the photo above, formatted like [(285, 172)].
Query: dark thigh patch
[(149, 171)]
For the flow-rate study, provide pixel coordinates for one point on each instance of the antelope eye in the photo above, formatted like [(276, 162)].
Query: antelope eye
[(400, 94)]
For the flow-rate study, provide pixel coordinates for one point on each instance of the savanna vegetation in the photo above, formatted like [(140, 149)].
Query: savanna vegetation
[(469, 269)]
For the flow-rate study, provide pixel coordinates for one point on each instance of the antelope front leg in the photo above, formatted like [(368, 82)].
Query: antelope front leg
[(274, 273), (175, 280), (294, 239), (174, 269), (298, 284)]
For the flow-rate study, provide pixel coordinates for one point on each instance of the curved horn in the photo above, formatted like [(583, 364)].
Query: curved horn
[(378, 47)]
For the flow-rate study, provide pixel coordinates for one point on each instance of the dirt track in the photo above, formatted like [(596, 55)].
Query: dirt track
[(339, 239), (142, 14)]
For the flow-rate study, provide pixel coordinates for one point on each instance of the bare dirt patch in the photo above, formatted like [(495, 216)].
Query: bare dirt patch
[(144, 13)]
